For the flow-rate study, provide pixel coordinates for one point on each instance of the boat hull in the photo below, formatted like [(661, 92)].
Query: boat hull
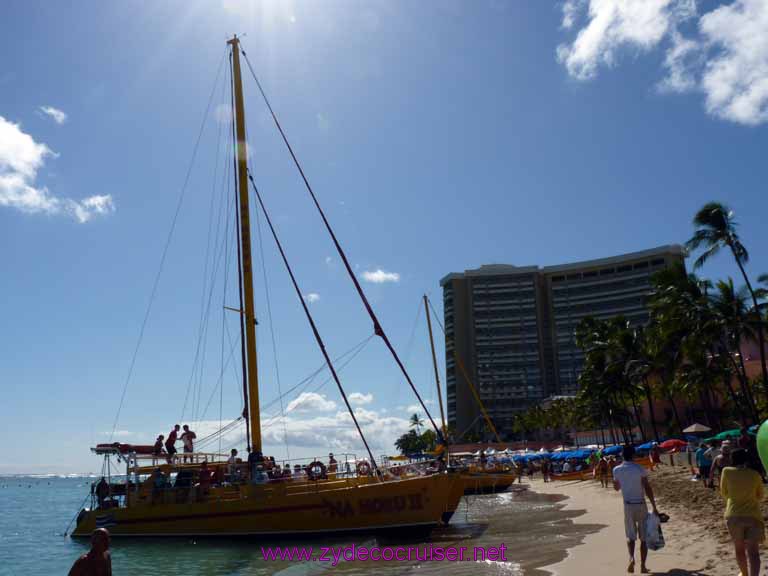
[(486, 483), (289, 509)]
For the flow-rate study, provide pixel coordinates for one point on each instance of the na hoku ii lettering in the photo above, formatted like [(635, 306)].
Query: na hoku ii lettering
[(351, 553)]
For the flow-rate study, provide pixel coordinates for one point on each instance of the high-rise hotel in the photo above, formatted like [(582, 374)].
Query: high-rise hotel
[(513, 327)]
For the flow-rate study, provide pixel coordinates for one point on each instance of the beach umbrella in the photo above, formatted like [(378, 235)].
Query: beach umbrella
[(697, 429), (728, 434), (646, 446), (762, 443), (673, 444), (612, 450)]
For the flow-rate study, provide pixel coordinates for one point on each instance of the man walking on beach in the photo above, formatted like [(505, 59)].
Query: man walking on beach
[(632, 480)]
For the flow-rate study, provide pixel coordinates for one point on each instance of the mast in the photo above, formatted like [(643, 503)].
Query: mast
[(434, 362), (252, 415)]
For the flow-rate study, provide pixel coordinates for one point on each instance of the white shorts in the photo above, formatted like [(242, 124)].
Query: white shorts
[(634, 521)]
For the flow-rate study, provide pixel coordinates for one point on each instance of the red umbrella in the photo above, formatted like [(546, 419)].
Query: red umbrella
[(673, 444)]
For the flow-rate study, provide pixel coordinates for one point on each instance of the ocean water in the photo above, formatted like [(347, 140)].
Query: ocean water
[(35, 511)]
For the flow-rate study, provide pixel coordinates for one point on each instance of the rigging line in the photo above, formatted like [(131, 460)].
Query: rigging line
[(311, 320), (218, 256), (272, 332), (202, 331), (156, 282), (225, 365), (224, 313), (378, 329), (343, 365), (212, 436)]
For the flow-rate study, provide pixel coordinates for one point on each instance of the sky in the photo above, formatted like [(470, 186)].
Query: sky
[(438, 135)]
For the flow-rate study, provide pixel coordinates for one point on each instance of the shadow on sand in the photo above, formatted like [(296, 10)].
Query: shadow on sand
[(680, 572)]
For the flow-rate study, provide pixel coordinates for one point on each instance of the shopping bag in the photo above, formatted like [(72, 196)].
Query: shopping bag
[(654, 537)]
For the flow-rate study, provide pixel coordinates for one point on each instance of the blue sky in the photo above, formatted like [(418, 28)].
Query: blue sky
[(438, 135)]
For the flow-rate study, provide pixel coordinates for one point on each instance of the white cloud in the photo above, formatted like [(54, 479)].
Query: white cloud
[(311, 402), (616, 24), (380, 276), (359, 399), (726, 59), (223, 113), (118, 433), (20, 160), (735, 78), (414, 409), (312, 297), (58, 116), (328, 260), (323, 123), (679, 61)]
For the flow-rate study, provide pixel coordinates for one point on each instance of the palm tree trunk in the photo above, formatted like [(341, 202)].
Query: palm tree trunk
[(760, 334), (671, 401), (651, 411), (746, 390), (637, 418)]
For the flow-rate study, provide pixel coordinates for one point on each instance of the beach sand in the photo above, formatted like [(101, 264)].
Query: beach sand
[(697, 543)]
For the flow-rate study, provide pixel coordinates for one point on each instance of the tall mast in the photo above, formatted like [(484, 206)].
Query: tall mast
[(245, 239), (434, 362)]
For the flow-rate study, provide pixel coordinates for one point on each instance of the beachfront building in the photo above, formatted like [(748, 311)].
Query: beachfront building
[(510, 329)]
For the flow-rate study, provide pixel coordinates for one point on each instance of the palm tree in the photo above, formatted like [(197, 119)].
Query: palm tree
[(416, 422), (715, 229)]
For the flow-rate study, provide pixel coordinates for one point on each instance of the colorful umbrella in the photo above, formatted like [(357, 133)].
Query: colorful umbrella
[(673, 444)]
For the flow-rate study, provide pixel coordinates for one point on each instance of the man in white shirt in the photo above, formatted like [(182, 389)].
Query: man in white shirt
[(632, 480)]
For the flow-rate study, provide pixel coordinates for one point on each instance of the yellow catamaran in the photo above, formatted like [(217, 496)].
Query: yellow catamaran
[(209, 497)]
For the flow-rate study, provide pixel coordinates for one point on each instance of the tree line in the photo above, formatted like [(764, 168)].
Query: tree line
[(689, 353)]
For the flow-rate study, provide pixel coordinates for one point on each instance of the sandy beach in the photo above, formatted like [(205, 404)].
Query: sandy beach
[(696, 541)]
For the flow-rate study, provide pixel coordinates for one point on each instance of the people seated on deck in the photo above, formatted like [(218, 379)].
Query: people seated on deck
[(333, 466), (298, 473), (183, 484), (203, 485), (260, 476), (287, 471), (159, 482), (567, 467), (254, 459)]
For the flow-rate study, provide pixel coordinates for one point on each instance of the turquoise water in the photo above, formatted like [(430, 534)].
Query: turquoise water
[(35, 511)]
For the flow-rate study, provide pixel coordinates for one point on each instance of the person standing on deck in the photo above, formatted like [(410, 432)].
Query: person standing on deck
[(188, 437), (97, 561), (170, 443), (632, 480), (742, 489)]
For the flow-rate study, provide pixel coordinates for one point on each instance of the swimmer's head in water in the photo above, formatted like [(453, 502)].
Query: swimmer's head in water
[(100, 538)]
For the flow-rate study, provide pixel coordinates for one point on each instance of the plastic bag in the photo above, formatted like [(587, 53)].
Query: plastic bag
[(654, 537)]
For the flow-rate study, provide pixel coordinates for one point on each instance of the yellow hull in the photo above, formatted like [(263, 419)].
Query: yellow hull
[(289, 509), (487, 482)]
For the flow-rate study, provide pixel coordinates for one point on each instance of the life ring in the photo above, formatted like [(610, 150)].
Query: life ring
[(316, 470), (363, 468)]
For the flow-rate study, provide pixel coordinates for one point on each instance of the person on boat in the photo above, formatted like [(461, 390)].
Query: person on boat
[(159, 482), (187, 438), (632, 480), (333, 466), (232, 465), (170, 443), (157, 449), (567, 467), (742, 489), (483, 459), (98, 560), (203, 481), (298, 473), (102, 491), (254, 459), (260, 477)]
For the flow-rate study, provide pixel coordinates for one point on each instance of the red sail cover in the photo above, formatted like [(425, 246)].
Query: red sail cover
[(126, 448)]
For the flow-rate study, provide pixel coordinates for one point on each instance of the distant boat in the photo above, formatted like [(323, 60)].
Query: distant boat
[(210, 502)]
